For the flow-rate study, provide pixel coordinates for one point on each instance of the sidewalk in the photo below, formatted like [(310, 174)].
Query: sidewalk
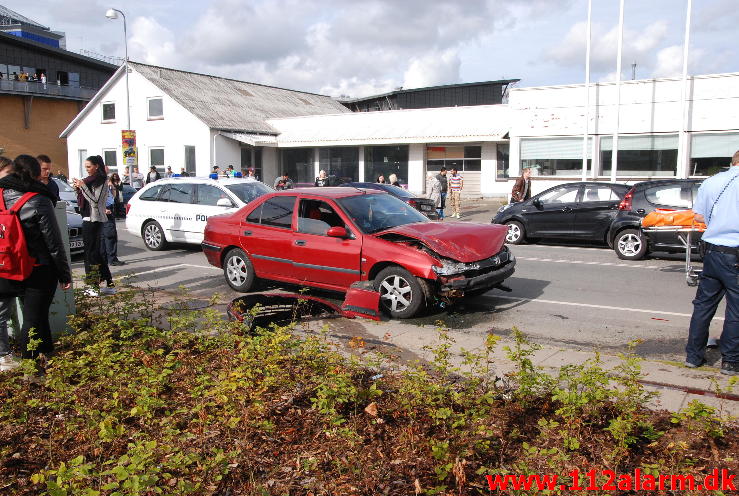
[(677, 385)]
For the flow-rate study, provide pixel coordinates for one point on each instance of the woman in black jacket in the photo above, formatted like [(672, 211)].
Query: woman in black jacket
[(44, 244)]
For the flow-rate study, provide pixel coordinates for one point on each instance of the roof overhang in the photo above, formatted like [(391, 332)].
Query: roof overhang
[(251, 139), (448, 125)]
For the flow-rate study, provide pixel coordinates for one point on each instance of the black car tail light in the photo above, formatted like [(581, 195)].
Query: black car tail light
[(626, 202), (413, 203)]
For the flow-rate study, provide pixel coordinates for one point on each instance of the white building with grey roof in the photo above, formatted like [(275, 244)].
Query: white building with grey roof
[(195, 121)]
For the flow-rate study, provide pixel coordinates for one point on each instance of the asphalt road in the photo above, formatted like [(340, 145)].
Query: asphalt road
[(578, 297)]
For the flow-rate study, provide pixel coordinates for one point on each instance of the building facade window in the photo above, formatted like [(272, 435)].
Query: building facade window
[(340, 162), (156, 158), (110, 157), (297, 163), (645, 155), (386, 160), (463, 158), (108, 112), (554, 156), (155, 108), (711, 153), (189, 160), (503, 168)]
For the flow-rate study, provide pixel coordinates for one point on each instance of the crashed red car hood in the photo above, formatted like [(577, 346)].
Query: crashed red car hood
[(461, 241)]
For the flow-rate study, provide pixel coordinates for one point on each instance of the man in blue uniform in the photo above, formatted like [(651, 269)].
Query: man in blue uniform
[(717, 204)]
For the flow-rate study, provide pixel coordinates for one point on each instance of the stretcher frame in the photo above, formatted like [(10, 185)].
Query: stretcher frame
[(684, 234)]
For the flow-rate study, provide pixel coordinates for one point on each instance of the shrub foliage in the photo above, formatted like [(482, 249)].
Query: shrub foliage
[(207, 408)]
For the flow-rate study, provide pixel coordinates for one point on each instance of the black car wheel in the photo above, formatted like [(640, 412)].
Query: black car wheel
[(630, 244), (238, 270), (153, 236), (516, 233), (401, 295)]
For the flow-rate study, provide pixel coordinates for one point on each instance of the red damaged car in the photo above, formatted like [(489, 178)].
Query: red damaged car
[(331, 238)]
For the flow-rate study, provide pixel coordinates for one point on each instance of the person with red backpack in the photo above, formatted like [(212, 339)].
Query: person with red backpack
[(32, 255)]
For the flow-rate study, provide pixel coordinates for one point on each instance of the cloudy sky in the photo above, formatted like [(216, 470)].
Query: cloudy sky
[(361, 47)]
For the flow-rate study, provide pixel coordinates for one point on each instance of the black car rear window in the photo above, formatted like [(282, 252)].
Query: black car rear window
[(678, 195)]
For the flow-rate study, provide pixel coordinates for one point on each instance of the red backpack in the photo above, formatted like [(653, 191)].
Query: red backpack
[(15, 262)]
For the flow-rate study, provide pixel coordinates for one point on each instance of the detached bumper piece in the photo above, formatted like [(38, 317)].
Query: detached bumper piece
[(263, 309)]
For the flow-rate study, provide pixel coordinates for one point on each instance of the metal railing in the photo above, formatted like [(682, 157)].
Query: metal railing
[(46, 89)]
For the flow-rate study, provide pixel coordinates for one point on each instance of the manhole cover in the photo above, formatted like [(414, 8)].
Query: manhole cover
[(186, 305)]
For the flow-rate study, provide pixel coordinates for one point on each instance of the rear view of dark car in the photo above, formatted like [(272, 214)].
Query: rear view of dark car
[(423, 205), (580, 211), (626, 236)]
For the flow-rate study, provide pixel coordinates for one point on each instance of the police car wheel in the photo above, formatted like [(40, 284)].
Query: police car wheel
[(238, 270), (153, 236)]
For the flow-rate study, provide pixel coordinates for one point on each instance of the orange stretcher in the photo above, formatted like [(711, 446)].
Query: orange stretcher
[(681, 222)]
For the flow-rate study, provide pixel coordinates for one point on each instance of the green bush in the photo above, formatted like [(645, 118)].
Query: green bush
[(142, 400)]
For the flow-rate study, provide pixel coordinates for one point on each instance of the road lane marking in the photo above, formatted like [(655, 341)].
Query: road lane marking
[(582, 262), (161, 269), (601, 307)]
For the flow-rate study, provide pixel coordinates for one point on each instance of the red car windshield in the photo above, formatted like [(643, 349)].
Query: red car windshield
[(377, 212)]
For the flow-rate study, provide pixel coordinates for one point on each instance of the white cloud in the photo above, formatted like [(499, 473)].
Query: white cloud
[(433, 69), (152, 43), (348, 47), (639, 47)]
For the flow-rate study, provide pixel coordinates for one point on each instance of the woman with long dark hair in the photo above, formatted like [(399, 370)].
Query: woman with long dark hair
[(45, 246), (116, 189), (92, 194)]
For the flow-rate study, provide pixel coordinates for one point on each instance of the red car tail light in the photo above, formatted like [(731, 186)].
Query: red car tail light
[(128, 207), (626, 202)]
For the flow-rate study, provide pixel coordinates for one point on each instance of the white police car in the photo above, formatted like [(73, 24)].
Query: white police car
[(175, 209)]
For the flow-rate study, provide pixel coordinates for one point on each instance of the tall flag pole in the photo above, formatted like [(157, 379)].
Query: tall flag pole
[(614, 152), (683, 160), (587, 94)]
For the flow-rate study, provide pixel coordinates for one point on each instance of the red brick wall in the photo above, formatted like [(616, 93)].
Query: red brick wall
[(49, 117)]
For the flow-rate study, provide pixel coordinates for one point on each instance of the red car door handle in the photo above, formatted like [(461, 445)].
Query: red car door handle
[(300, 242), (247, 233)]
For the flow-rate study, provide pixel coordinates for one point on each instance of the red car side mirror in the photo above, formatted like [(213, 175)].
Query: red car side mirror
[(337, 232)]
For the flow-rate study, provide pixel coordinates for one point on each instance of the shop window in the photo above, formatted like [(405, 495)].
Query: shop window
[(386, 160), (298, 164), (554, 156), (340, 162), (463, 158), (155, 108), (108, 112), (646, 155), (503, 169), (711, 153)]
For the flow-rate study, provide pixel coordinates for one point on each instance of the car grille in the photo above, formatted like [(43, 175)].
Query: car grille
[(490, 264), (74, 232)]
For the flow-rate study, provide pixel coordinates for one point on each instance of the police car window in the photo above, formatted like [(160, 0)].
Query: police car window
[(181, 193), (671, 195), (278, 211), (248, 191), (316, 217), (152, 193), (209, 195)]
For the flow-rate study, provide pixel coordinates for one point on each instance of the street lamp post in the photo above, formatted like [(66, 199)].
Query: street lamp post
[(113, 14)]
